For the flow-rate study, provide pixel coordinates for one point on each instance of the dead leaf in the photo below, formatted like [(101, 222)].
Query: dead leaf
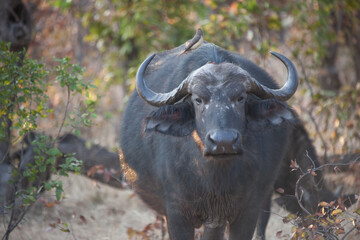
[(336, 212), (95, 169), (312, 172), (323, 204), (53, 225), (234, 8), (337, 170), (323, 211), (350, 124), (132, 195), (294, 166), (340, 231), (131, 232), (280, 190), (83, 219), (339, 221), (51, 204)]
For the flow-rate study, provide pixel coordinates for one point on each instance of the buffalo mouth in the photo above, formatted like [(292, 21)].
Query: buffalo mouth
[(226, 156), (209, 153)]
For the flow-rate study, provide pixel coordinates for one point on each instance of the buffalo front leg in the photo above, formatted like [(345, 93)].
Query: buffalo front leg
[(244, 226), (263, 220), (179, 227), (213, 233)]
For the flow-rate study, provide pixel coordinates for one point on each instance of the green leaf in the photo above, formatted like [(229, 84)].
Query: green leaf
[(357, 211), (42, 168), (54, 152), (58, 193), (64, 230), (77, 132), (51, 160), (48, 186)]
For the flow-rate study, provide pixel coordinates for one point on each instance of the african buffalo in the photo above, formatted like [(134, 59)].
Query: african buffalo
[(15, 24), (93, 157), (204, 137)]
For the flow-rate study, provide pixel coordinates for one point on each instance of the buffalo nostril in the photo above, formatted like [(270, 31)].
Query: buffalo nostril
[(223, 137), (223, 142)]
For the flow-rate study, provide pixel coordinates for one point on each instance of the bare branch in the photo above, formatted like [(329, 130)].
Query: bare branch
[(347, 234), (312, 161), (298, 198), (66, 111), (296, 192), (309, 110)]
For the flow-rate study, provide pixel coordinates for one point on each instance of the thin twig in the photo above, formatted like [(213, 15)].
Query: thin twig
[(11, 226), (66, 112), (309, 111), (317, 129), (347, 234), (296, 192), (116, 178), (336, 164), (312, 161), (72, 232), (303, 71), (316, 169)]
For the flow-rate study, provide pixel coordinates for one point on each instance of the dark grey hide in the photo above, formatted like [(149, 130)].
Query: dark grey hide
[(15, 24), (92, 155), (7, 191), (213, 156)]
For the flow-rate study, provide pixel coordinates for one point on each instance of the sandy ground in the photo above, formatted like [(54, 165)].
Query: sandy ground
[(92, 211), (96, 211)]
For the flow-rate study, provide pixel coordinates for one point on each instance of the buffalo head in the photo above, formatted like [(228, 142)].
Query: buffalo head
[(218, 104)]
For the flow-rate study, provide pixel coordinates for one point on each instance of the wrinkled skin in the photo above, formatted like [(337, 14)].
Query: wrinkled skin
[(213, 157)]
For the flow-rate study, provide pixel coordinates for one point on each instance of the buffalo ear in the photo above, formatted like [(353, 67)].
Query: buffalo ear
[(175, 120), (269, 112)]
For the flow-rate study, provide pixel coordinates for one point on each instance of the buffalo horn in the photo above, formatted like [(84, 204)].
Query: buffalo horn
[(158, 99), (195, 42), (283, 93)]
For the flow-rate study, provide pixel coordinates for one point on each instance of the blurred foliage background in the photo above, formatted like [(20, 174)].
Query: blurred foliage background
[(99, 44), (112, 37)]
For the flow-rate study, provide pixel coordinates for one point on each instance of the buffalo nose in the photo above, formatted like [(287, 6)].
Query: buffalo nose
[(222, 142)]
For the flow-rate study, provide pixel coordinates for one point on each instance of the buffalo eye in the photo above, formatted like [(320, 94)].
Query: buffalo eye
[(198, 101), (240, 99)]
